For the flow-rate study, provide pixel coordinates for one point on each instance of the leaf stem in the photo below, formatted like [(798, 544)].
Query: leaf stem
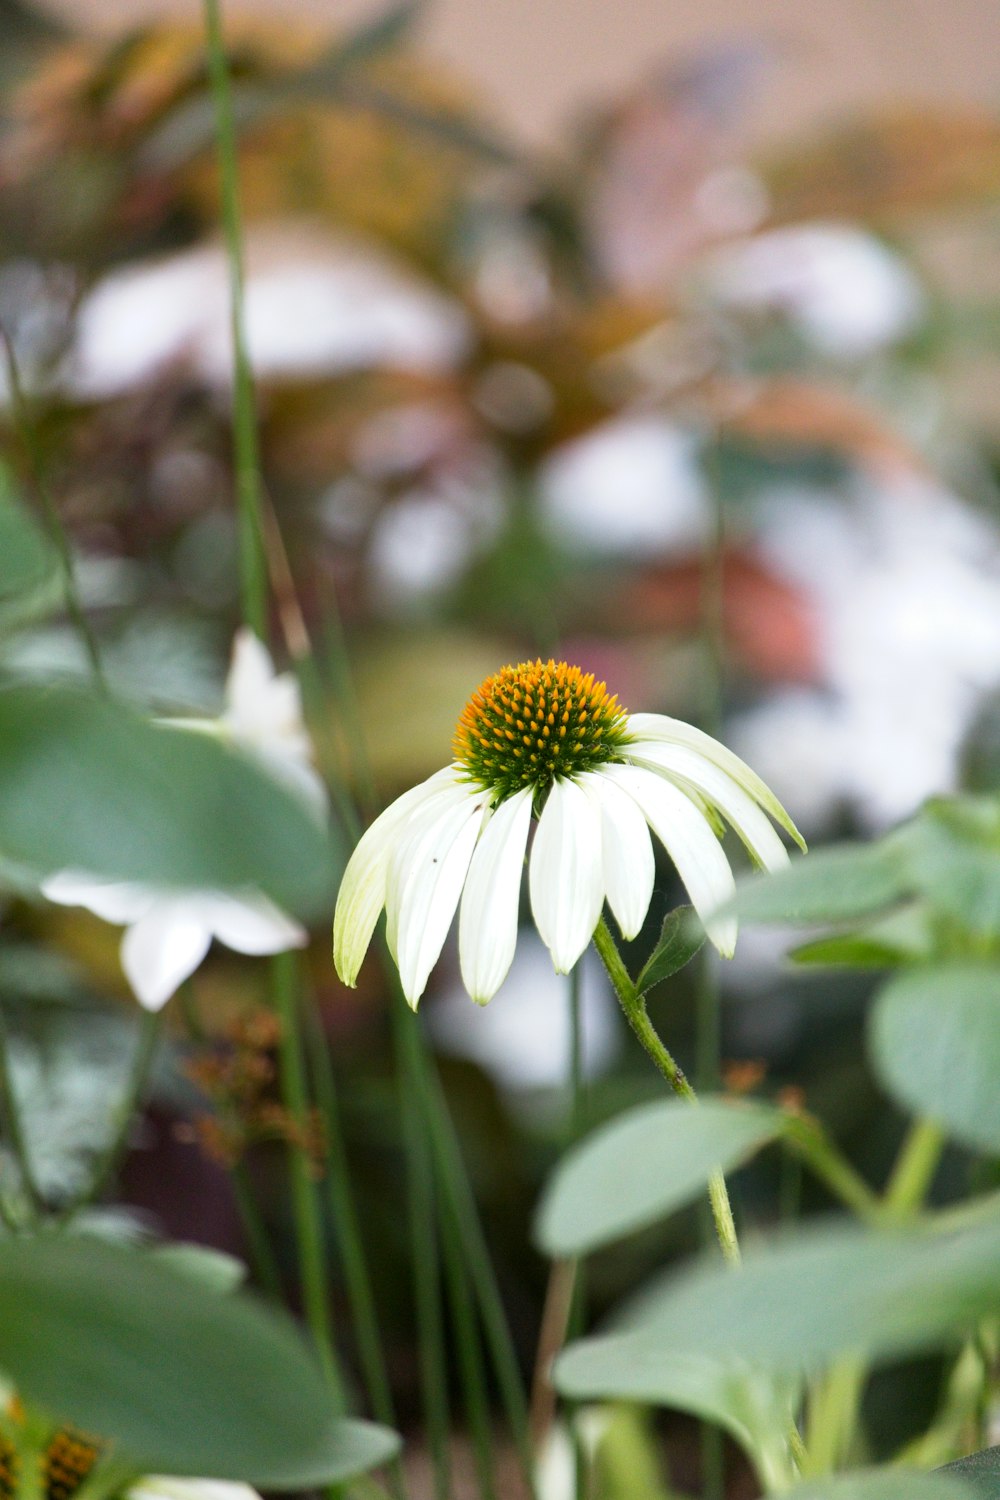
[(634, 1007), (914, 1170)]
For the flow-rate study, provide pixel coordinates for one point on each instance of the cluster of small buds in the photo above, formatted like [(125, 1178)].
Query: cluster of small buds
[(239, 1075)]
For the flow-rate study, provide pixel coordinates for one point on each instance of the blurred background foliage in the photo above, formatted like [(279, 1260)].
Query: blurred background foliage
[(718, 423)]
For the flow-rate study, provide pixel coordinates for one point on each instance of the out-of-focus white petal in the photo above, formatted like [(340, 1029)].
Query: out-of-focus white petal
[(249, 923), (565, 876), (487, 927), (692, 768), (170, 1487), (626, 853), (162, 949), (264, 713), (691, 844), (676, 732), (114, 901), (426, 877), (363, 889)]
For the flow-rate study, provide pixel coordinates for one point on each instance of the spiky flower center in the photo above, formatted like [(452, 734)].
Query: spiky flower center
[(528, 724)]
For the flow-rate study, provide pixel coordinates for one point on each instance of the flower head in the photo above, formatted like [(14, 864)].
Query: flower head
[(542, 740)]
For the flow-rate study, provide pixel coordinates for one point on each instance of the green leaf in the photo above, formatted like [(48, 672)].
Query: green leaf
[(883, 1484), (185, 1381), (980, 1471), (752, 1406), (88, 785), (934, 1037), (681, 937), (899, 938), (29, 565), (836, 885), (952, 854), (822, 1293), (646, 1163)]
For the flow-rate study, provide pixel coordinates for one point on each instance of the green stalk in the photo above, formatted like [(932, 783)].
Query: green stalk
[(914, 1170), (246, 454), (426, 1271), (470, 1356), (11, 1117), (305, 1195), (634, 1006), (53, 520), (806, 1138)]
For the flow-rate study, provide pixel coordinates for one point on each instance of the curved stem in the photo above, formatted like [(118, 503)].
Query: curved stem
[(634, 1006)]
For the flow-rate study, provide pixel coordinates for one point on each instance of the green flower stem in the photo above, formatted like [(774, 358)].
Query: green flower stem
[(423, 1233), (246, 454), (807, 1139), (470, 1355), (57, 532), (914, 1170), (10, 1115), (135, 1090), (344, 1214), (634, 1006), (305, 1196), (833, 1417)]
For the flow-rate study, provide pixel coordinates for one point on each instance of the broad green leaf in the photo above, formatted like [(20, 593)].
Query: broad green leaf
[(646, 1163), (88, 785), (952, 853), (980, 1473), (883, 1484), (934, 1037), (752, 1405), (29, 566), (185, 1381), (835, 885), (901, 937), (681, 937), (822, 1293)]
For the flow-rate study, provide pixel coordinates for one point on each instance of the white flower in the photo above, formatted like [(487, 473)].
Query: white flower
[(263, 714), (168, 931), (544, 736)]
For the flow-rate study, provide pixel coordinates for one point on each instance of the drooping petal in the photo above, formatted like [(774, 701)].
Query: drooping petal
[(626, 852), (688, 839), (676, 732), (163, 948), (114, 901), (426, 877), (565, 877), (363, 888), (250, 923), (487, 925), (705, 777), (424, 820)]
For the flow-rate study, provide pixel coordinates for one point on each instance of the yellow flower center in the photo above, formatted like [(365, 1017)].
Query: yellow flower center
[(65, 1464), (528, 724)]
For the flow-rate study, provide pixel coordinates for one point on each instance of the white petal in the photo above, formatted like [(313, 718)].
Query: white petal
[(487, 926), (676, 732), (449, 794), (691, 844), (425, 881), (565, 877), (171, 1487), (363, 888), (249, 923), (719, 789), (162, 949), (112, 900), (626, 853)]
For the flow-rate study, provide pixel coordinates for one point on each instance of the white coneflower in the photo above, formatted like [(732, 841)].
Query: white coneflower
[(543, 739)]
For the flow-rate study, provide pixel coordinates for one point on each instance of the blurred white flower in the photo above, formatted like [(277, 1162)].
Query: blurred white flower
[(849, 294), (169, 931), (172, 1487)]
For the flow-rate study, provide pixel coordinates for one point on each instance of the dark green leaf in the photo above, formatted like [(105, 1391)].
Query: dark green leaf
[(934, 1038), (980, 1472), (819, 1294), (648, 1162), (185, 1381), (835, 885), (29, 566), (90, 786), (681, 937)]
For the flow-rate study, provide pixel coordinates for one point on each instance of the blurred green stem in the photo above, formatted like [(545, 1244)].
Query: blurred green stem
[(246, 454), (807, 1139), (914, 1171), (305, 1194), (634, 1006), (56, 529), (10, 1116)]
